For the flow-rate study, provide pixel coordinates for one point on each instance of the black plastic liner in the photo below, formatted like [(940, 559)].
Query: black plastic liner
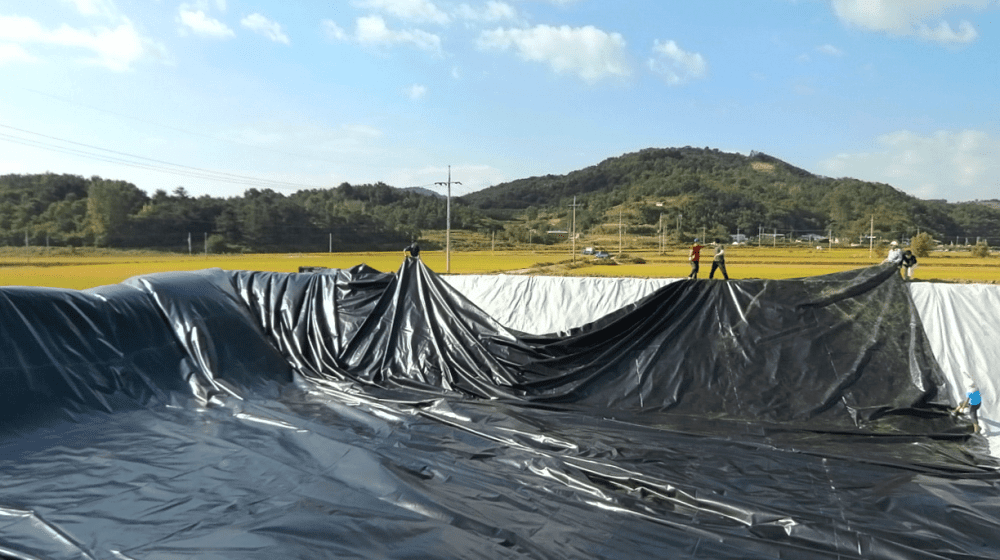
[(361, 414)]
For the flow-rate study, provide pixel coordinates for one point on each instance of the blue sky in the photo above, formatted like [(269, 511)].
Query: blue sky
[(219, 96)]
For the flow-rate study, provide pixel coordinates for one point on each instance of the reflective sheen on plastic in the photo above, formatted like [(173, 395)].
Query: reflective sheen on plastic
[(361, 414)]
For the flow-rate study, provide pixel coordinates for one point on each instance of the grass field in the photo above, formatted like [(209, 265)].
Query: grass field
[(88, 268)]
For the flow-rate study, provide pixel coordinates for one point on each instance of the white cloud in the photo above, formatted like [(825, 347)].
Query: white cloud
[(492, 12), (909, 17), (334, 31), (416, 91), (371, 30), (588, 52), (10, 53), (676, 65), (115, 49), (830, 50), (953, 165), (95, 7), (412, 10), (270, 29), (943, 33), (204, 5), (201, 24)]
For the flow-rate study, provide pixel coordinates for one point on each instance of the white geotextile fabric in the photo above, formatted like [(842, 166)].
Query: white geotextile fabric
[(962, 321), (551, 304)]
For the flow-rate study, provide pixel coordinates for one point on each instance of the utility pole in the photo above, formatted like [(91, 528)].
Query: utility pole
[(573, 232), (871, 238), (661, 233), (447, 231), (619, 231)]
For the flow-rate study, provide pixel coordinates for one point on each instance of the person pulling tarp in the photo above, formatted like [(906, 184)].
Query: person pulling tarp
[(973, 400), (909, 262), (895, 255)]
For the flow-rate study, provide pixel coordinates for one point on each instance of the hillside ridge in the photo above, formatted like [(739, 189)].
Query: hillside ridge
[(708, 189), (657, 193)]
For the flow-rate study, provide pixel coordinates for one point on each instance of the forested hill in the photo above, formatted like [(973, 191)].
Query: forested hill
[(683, 190), (69, 210), (649, 173), (708, 188)]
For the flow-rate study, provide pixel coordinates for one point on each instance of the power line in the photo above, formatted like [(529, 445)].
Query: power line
[(154, 165), (108, 159), (206, 173), (178, 129)]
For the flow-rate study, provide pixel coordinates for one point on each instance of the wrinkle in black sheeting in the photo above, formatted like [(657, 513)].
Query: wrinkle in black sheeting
[(356, 413)]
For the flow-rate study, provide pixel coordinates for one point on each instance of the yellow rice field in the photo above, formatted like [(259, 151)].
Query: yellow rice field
[(88, 268)]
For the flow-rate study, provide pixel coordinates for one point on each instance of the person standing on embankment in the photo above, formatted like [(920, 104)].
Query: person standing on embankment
[(719, 261), (693, 257)]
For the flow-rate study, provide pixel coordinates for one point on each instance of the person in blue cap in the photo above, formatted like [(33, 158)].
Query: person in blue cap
[(972, 401), (693, 257)]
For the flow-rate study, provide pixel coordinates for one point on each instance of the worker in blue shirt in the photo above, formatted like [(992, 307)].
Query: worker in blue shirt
[(972, 400)]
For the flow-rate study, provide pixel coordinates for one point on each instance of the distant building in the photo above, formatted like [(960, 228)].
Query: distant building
[(738, 238)]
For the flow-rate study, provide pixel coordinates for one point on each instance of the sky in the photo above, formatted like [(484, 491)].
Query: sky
[(220, 96)]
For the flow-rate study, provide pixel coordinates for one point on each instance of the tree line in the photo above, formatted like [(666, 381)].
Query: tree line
[(684, 190), (69, 210)]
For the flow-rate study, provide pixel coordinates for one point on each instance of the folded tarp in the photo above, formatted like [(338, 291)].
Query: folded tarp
[(355, 413), (835, 351), (960, 321)]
